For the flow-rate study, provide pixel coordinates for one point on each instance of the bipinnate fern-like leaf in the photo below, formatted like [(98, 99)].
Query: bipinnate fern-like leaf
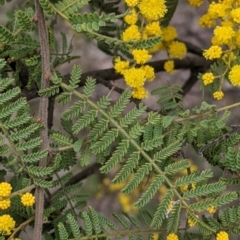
[(127, 169), (149, 43), (133, 220), (150, 191), (161, 211), (99, 128), (205, 190), (84, 121), (61, 139), (194, 177), (10, 94), (74, 226), (105, 141), (120, 105), (137, 178), (95, 220), (75, 76), (34, 157), (217, 202), (18, 121), (74, 110), (43, 183), (177, 166), (12, 107), (70, 7), (48, 92), (47, 7), (88, 22), (116, 156), (87, 223), (168, 151), (39, 171), (23, 20), (63, 234), (132, 115), (6, 37), (89, 87), (25, 132), (121, 219), (173, 220)]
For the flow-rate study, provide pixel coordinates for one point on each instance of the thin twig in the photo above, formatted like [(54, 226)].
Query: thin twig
[(110, 74), (219, 139), (43, 114)]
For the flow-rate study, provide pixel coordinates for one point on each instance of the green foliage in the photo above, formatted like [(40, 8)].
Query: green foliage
[(171, 7), (133, 146)]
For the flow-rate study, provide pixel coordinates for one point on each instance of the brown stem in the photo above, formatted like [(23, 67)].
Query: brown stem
[(43, 114)]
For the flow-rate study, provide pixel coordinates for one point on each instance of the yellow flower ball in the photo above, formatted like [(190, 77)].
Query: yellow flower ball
[(152, 10), (27, 199), (223, 35), (120, 66), (217, 10), (172, 236), (222, 236), (131, 33), (141, 56), (6, 224), (195, 3), (149, 72), (169, 33), (5, 189), (234, 75), (134, 77), (131, 18), (5, 204), (139, 93), (132, 3), (177, 49), (207, 78), (218, 95), (213, 52), (206, 21), (153, 29), (169, 66)]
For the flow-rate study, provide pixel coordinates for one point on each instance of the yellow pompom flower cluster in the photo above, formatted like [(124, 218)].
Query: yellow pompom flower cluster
[(131, 18), (224, 17), (149, 12), (27, 199), (207, 78), (195, 3), (172, 236), (218, 95), (5, 191), (131, 33), (5, 204), (234, 75), (213, 52), (169, 66), (177, 49), (141, 56), (120, 66), (7, 224), (222, 236), (152, 10), (212, 209)]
